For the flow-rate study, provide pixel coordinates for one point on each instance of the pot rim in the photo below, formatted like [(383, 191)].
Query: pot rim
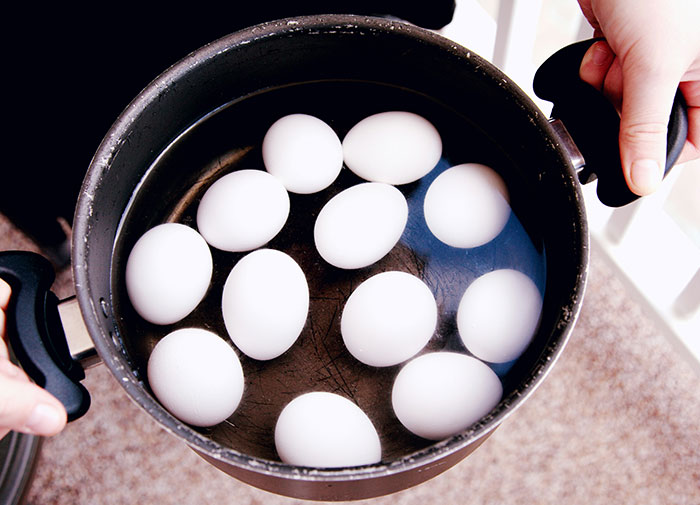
[(106, 343)]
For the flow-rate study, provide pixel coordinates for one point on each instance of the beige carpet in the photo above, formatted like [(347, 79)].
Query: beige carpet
[(616, 422)]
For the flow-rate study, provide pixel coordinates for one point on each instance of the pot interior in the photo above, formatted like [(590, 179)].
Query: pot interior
[(207, 117)]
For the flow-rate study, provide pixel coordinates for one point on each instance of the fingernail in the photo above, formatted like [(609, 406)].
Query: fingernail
[(44, 420), (645, 176), (601, 55)]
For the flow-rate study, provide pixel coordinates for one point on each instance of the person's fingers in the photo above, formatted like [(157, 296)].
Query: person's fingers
[(691, 93), (24, 406), (596, 63), (27, 408), (612, 88), (646, 107), (5, 292), (4, 353), (602, 70), (9, 369)]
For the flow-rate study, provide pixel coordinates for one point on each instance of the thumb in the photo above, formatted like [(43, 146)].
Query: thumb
[(647, 99), (26, 407)]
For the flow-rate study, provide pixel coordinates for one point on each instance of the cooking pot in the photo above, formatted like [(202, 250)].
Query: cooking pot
[(165, 149)]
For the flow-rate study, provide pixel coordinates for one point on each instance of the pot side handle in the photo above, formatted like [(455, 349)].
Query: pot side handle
[(594, 124), (35, 331)]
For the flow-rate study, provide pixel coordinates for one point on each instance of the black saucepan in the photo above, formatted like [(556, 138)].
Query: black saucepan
[(206, 115)]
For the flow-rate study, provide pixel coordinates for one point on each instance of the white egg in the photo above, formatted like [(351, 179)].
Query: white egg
[(303, 152), (360, 225), (325, 430), (467, 205), (196, 375), (440, 394), (394, 147), (243, 210), (168, 273), (498, 315), (388, 318), (265, 303)]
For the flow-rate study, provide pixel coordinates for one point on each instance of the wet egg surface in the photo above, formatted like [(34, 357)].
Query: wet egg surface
[(303, 152), (498, 315), (168, 273), (440, 394), (360, 225), (395, 147), (265, 303), (196, 376), (467, 205), (388, 318), (243, 211), (326, 430), (318, 360)]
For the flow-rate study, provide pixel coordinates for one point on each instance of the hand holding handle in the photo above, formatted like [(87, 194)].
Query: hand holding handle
[(35, 332), (594, 124)]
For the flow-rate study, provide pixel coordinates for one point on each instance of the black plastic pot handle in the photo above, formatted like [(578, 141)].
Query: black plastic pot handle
[(594, 124), (35, 331)]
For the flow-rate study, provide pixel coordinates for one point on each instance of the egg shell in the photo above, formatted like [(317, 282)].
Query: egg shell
[(243, 210), (265, 303), (499, 314), (467, 205), (196, 375), (440, 394), (388, 318), (303, 152), (325, 430), (360, 225), (168, 272), (395, 147)]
